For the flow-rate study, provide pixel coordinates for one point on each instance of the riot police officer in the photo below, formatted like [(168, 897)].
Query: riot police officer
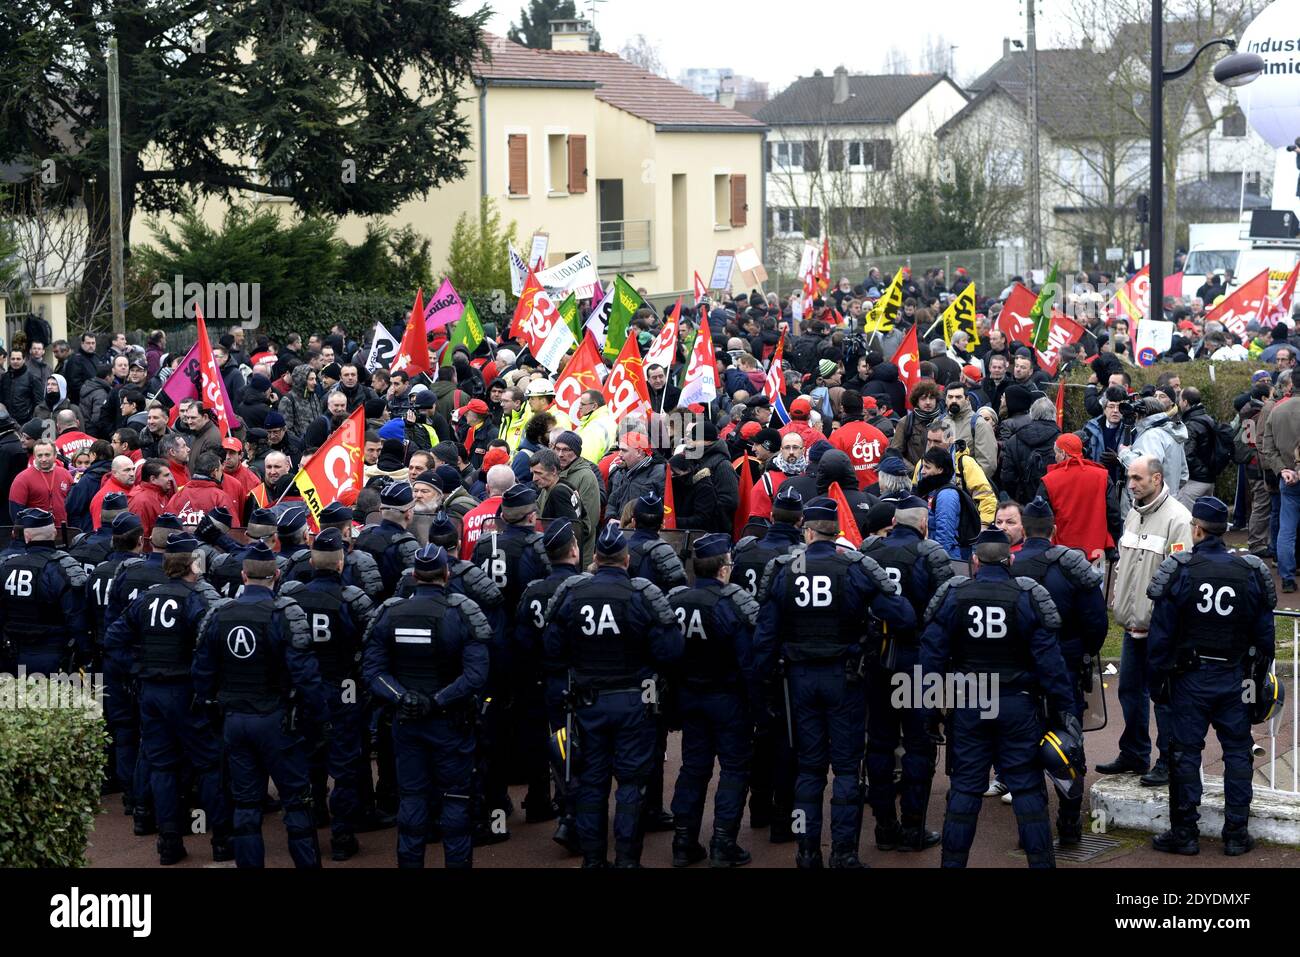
[(215, 541), (998, 632), (564, 551), (717, 681), (153, 640), (251, 649), (291, 538), (920, 566), (359, 568), (512, 557), (428, 655), (1075, 587), (653, 559), (91, 548), (771, 798), (42, 603), (816, 605), (227, 574), (337, 615), (389, 543), (611, 629), (1211, 652)]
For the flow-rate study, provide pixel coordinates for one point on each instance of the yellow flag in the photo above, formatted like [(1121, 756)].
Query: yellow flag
[(885, 311), (960, 315)]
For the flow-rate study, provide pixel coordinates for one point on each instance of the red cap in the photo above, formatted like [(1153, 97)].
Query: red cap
[(973, 373), (477, 406), (749, 430), (1070, 444), (495, 456), (801, 408), (232, 444), (869, 402), (695, 407)]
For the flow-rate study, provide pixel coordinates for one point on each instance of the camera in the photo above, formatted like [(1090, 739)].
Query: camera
[(1129, 409)]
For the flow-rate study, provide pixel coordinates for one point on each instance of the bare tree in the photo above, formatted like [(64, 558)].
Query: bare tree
[(897, 61), (639, 50)]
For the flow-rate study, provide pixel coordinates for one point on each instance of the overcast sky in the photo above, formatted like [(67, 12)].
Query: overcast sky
[(777, 40)]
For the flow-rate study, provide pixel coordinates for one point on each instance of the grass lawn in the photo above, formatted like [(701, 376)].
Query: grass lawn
[(1282, 627)]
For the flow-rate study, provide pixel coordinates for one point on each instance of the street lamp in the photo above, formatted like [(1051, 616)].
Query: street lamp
[(1234, 70)]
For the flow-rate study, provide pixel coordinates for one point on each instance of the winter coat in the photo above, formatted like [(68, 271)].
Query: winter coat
[(78, 500), (252, 407), (726, 485), (1160, 436), (21, 392), (1025, 457), (628, 485), (835, 466), (94, 399), (884, 385), (300, 406)]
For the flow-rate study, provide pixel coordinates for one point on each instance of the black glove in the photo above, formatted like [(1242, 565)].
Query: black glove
[(1162, 688), (1066, 721), (207, 531), (413, 705), (1110, 458)]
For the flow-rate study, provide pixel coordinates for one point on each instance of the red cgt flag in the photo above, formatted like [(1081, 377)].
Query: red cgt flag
[(849, 530), (335, 471), (625, 390), (1013, 320), (1244, 304), (212, 388), (413, 353), (908, 360), (578, 376), (1060, 404), (670, 507)]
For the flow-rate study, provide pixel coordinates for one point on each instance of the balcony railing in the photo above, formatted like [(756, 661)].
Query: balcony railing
[(625, 242)]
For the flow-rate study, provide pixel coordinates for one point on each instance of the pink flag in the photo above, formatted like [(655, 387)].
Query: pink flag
[(183, 383), (444, 308)]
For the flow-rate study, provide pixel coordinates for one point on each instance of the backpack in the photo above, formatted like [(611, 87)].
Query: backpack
[(1243, 447), (969, 524), (1224, 452)]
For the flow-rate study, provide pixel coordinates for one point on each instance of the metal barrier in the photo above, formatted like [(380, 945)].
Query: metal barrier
[(1290, 705)]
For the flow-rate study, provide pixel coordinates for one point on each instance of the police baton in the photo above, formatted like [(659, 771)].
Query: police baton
[(568, 733), (785, 690)]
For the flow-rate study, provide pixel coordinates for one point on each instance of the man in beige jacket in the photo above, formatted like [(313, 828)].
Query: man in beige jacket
[(1157, 526)]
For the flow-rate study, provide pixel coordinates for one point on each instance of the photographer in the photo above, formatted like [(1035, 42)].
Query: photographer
[(1103, 436)]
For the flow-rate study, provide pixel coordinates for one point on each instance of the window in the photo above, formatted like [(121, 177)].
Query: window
[(557, 162), (796, 221), (870, 155), (1254, 182), (1234, 123), (789, 155), (517, 164)]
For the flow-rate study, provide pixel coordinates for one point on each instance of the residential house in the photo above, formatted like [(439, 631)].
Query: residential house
[(833, 141)]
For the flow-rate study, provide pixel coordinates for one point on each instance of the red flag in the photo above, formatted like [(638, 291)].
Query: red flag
[(578, 376), (625, 390), (1013, 320), (700, 289), (212, 388), (670, 508), (700, 384), (824, 267), (1243, 305), (908, 360), (1062, 332), (524, 307), (1060, 404), (1281, 308), (335, 471), (538, 325), (848, 524), (741, 519), (664, 348), (413, 353)]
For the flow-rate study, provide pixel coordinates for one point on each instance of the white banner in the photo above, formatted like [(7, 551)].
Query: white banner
[(382, 349), (518, 272), (575, 275)]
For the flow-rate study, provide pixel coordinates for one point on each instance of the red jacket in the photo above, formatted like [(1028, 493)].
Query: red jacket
[(199, 497), (474, 524), (238, 484), (148, 501), (805, 431), (760, 500), (36, 489), (1076, 488), (864, 445), (106, 488)]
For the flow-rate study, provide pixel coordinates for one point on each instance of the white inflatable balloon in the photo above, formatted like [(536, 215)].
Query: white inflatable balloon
[(1272, 102)]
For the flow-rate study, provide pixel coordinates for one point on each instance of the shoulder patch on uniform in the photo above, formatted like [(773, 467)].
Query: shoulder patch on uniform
[(658, 603), (936, 602), (1265, 577), (1164, 573), (743, 601), (1042, 600), (292, 587)]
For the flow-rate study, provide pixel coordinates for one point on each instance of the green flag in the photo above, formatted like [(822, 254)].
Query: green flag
[(688, 337), (467, 332), (569, 313), (626, 303), (1041, 314)]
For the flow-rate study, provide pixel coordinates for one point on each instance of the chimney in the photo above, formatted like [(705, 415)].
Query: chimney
[(571, 35), (1006, 47), (727, 93), (841, 86), (1087, 44)]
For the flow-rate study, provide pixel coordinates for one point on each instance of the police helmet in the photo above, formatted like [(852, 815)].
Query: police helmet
[(1062, 752), (558, 746), (1269, 699)]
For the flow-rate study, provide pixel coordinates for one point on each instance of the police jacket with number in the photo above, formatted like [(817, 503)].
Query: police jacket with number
[(392, 547), (611, 629), (252, 650), (434, 642), (337, 617), (134, 577), (91, 548), (43, 599), (650, 557), (530, 622), (512, 558), (996, 624), (155, 637), (816, 605), (751, 554), (717, 622), (1212, 601), (226, 574), (360, 570), (98, 587), (917, 564), (1075, 587)]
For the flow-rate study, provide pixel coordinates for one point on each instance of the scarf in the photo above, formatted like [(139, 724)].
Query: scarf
[(797, 467)]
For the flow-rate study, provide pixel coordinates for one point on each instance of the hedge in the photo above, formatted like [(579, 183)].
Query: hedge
[(51, 769)]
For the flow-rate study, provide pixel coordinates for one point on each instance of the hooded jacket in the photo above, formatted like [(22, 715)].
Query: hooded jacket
[(78, 500), (300, 406), (726, 485), (627, 485), (696, 501), (884, 385), (253, 405), (21, 392), (94, 397), (1160, 436), (200, 496), (1021, 471)]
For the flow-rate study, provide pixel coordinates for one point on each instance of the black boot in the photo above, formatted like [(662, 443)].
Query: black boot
[(888, 835), (628, 857), (171, 849), (687, 849), (917, 838), (845, 857), (724, 851), (809, 857), (344, 848), (656, 820), (782, 832), (1069, 830), (222, 849), (1180, 839), (594, 858), (566, 835), (143, 824), (1237, 841)]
